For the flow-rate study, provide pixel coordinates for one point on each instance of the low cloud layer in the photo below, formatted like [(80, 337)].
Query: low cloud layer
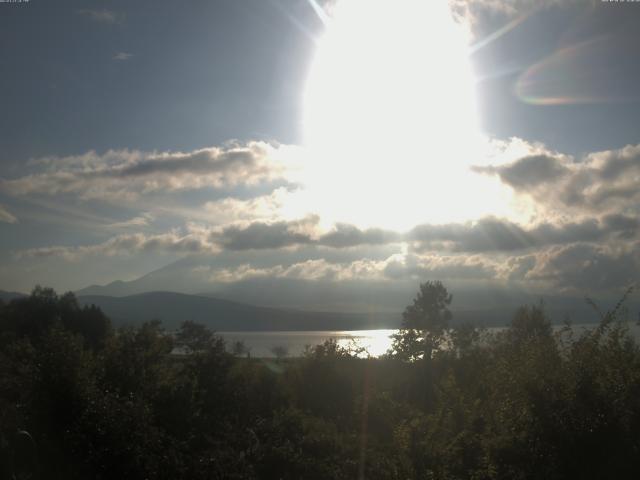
[(581, 267), (485, 235), (496, 235), (395, 267), (488, 235), (583, 235), (261, 235)]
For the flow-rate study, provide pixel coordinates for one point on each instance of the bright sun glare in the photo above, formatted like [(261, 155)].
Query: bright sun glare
[(390, 117)]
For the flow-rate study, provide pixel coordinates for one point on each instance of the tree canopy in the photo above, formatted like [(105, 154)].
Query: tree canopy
[(424, 322), (518, 404)]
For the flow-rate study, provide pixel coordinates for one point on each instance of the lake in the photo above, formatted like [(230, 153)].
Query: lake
[(261, 344), (376, 342)]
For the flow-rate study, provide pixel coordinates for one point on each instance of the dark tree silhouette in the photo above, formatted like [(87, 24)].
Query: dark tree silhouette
[(194, 337), (530, 323), (280, 351), (32, 317), (424, 323), (520, 403), (239, 349)]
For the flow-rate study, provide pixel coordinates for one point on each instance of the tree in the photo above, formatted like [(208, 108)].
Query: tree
[(195, 337), (239, 349), (424, 323), (32, 317), (280, 351), (530, 323)]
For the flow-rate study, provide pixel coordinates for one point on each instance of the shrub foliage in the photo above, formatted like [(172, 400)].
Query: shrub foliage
[(79, 399)]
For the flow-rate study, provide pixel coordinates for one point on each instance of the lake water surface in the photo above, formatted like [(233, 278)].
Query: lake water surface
[(376, 342), (261, 344)]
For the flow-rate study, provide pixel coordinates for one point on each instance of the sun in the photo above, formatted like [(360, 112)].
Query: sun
[(390, 115)]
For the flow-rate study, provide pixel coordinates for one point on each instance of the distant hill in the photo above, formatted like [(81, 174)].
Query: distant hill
[(228, 314), (8, 296), (113, 289), (189, 276), (224, 315), (299, 304), (485, 303), (172, 308)]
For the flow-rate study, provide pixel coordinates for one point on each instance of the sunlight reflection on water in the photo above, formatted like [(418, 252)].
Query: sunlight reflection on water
[(375, 342), (261, 344)]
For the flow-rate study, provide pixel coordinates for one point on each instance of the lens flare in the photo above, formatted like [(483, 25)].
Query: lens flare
[(599, 70)]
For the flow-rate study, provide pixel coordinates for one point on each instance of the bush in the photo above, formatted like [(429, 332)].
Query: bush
[(524, 403)]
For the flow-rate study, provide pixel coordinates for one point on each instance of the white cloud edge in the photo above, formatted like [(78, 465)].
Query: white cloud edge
[(6, 216)]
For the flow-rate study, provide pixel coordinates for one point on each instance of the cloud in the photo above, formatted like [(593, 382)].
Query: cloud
[(125, 175), (625, 226), (345, 235), (396, 267), (140, 221), (439, 266), (517, 267), (122, 56), (475, 11), (228, 210), (488, 236), (601, 182), (6, 216), (318, 269), (262, 235), (323, 270), (529, 172), (280, 234), (108, 17), (205, 239), (505, 6), (586, 217), (193, 241), (468, 250), (262, 251), (585, 267), (499, 235)]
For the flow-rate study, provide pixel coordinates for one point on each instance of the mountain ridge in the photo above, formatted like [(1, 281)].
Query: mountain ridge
[(7, 296), (223, 314), (226, 315)]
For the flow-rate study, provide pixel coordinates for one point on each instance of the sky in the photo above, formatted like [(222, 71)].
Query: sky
[(320, 154)]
